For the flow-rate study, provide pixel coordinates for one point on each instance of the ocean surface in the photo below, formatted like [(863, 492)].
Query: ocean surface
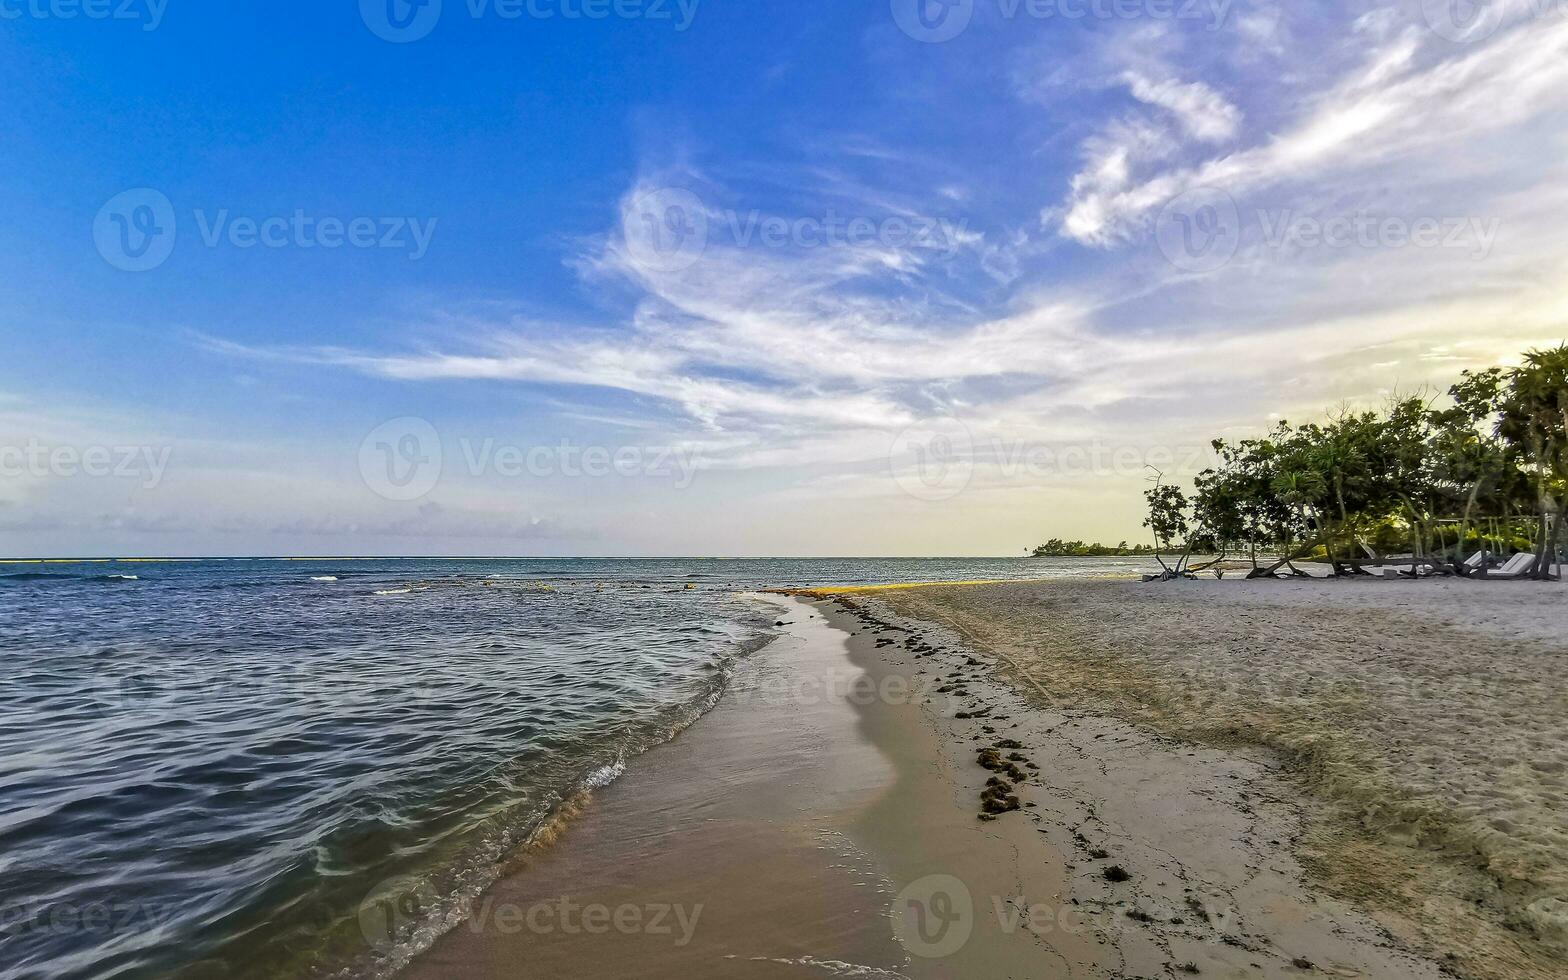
[(262, 768)]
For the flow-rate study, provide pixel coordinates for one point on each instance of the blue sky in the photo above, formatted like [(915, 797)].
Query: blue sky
[(734, 278)]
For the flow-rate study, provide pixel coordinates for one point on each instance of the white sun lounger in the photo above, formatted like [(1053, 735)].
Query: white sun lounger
[(1515, 567)]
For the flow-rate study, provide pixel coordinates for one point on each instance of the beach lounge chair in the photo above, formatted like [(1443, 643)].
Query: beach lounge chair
[(1476, 565), (1515, 567)]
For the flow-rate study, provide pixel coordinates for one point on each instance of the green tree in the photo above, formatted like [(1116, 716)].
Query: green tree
[(1533, 413)]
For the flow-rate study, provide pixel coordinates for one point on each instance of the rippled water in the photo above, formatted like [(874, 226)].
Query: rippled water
[(211, 769)]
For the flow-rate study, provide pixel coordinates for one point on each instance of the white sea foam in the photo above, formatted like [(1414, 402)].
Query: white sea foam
[(833, 968), (604, 775)]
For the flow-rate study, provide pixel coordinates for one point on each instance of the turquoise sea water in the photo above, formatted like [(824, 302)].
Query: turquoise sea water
[(206, 768)]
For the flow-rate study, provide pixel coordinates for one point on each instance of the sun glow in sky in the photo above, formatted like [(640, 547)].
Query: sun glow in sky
[(578, 277)]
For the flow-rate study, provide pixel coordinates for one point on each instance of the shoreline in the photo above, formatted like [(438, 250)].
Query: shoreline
[(793, 822), (734, 828), (842, 834)]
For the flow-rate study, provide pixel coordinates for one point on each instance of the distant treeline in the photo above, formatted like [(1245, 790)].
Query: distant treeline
[(1486, 467), (1057, 548)]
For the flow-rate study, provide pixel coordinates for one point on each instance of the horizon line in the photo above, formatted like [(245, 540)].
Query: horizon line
[(102, 559)]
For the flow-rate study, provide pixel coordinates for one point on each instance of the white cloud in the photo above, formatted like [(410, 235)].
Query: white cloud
[(1393, 107), (790, 370), (1202, 112)]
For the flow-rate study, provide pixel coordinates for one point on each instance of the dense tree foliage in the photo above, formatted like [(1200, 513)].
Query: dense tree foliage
[(1485, 470), (1057, 548)]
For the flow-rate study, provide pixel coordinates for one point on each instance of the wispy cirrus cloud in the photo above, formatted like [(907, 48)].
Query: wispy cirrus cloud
[(799, 363), (1411, 95), (1203, 113)]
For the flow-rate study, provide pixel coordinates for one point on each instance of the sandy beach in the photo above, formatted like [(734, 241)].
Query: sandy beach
[(1420, 729), (1188, 779), (789, 826)]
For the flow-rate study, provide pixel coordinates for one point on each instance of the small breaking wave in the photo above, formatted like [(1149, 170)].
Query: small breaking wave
[(24, 577), (434, 741), (833, 968), (445, 896)]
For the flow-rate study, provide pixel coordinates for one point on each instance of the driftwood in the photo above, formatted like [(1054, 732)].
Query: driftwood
[(1304, 549)]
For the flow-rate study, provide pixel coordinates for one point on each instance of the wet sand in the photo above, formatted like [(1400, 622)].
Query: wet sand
[(737, 825), (792, 825), (825, 820)]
